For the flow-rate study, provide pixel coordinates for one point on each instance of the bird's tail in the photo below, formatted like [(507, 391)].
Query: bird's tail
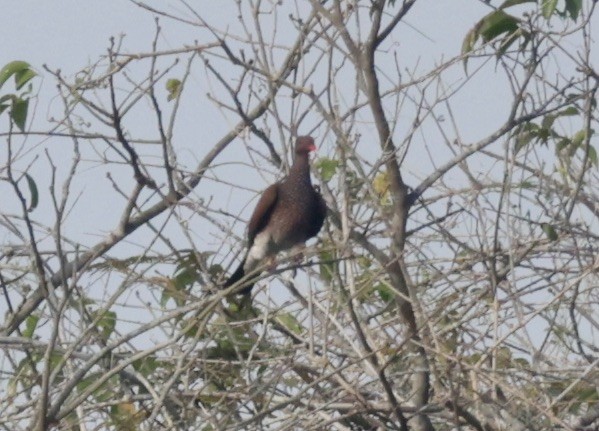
[(238, 275)]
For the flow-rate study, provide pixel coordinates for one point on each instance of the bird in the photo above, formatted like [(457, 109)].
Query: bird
[(287, 214)]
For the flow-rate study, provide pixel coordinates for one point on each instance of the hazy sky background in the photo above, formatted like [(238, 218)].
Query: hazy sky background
[(72, 34)]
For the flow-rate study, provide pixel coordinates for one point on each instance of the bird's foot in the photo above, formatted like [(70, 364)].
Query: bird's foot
[(297, 255), (298, 258), (271, 265)]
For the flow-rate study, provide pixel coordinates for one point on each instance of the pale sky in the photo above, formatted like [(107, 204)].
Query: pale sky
[(71, 34)]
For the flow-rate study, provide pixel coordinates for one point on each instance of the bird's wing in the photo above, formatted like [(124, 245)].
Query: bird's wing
[(318, 215), (262, 212)]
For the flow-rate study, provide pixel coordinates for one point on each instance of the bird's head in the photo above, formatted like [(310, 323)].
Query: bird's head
[(304, 145)]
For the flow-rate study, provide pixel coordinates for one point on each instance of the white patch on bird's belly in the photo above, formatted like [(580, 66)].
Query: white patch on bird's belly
[(260, 249)]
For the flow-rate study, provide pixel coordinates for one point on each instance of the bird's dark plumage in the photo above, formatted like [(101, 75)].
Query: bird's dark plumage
[(288, 213)]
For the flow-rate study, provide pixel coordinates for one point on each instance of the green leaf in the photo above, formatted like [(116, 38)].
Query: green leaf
[(586, 393), (573, 7), (173, 86), (579, 138), (327, 267), (30, 325), (107, 323), (509, 40), (327, 168), (233, 340), (521, 362), (290, 322), (549, 231), (525, 135), (548, 8), (166, 296), (468, 44), (503, 357), (510, 3), (526, 185), (184, 278), (593, 155), (145, 366), (103, 393), (543, 135), (34, 192), (22, 77), (497, 23), (562, 144), (381, 184), (12, 68), (3, 108), (385, 292), (548, 121), (19, 112), (568, 112), (491, 27), (364, 262)]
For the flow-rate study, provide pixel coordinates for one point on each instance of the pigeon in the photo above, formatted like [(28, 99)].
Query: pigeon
[(288, 214)]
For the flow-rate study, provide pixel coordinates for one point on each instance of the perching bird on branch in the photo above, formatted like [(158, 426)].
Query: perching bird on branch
[(288, 214)]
